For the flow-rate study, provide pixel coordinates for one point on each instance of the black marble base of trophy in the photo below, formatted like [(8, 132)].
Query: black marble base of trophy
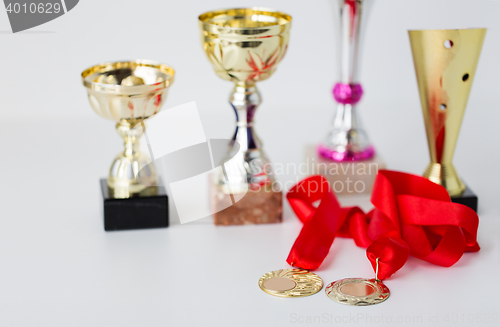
[(147, 210), (468, 198)]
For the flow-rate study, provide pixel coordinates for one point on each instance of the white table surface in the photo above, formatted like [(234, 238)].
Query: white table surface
[(59, 267)]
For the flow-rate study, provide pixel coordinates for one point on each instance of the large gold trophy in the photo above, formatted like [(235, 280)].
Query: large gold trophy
[(128, 92), (245, 46), (445, 64)]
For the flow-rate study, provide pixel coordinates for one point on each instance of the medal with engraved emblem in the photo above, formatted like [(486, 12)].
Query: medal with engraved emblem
[(358, 291)]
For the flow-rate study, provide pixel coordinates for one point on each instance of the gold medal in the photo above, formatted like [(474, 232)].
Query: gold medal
[(291, 283), (358, 291)]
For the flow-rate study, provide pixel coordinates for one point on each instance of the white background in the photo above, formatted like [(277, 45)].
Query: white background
[(59, 268)]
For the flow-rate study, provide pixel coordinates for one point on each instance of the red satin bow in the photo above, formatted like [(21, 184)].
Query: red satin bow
[(412, 215)]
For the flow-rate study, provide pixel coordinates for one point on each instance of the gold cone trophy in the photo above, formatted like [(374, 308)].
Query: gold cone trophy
[(245, 46), (445, 64), (128, 92)]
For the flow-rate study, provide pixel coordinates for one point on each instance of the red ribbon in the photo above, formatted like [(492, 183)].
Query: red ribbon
[(412, 215)]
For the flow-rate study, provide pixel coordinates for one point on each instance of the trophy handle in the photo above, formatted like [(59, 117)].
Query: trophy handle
[(124, 179)]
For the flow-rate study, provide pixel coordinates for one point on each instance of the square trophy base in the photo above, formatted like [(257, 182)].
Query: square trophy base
[(468, 198), (345, 178), (148, 210), (261, 207)]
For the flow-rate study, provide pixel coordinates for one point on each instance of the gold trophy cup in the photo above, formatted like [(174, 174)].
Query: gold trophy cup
[(128, 92), (245, 46), (445, 64)]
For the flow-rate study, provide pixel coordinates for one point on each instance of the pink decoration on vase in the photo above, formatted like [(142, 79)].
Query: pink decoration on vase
[(346, 155), (347, 93)]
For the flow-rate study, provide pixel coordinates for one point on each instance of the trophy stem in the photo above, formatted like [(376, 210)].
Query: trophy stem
[(124, 179), (347, 140), (445, 175), (130, 136), (247, 177), (245, 99), (249, 166)]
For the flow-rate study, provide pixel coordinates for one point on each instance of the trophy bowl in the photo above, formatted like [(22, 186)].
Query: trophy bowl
[(128, 92), (245, 45)]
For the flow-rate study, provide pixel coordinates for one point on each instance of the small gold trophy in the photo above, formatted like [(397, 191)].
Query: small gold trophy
[(245, 46), (129, 92), (445, 64)]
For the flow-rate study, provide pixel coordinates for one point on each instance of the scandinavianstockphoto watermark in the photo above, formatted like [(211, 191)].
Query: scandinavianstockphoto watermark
[(345, 178), (189, 160), (363, 319)]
